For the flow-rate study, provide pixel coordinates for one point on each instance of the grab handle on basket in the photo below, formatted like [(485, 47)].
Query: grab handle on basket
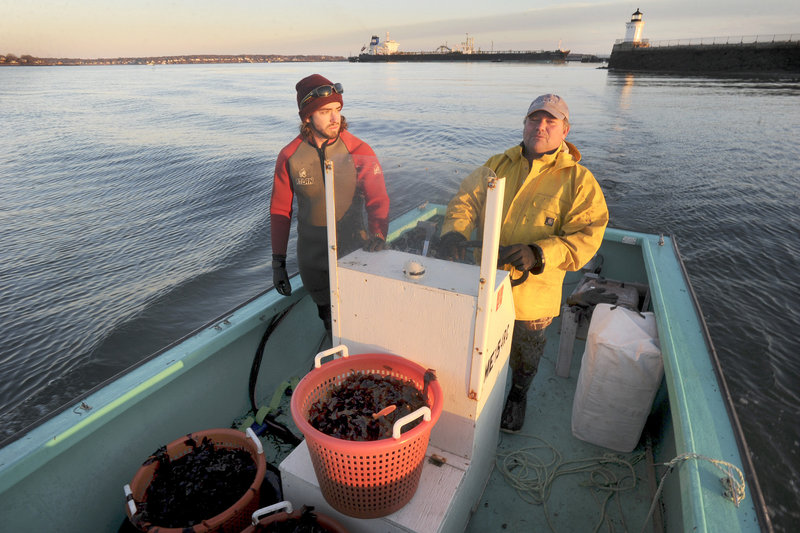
[(129, 498), (252, 436), (331, 351), (423, 411), (285, 506)]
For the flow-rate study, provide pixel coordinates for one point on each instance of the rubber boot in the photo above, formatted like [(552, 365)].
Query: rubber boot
[(513, 416), (326, 341), (324, 313)]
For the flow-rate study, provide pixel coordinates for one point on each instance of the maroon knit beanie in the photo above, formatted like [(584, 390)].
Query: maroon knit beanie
[(308, 84)]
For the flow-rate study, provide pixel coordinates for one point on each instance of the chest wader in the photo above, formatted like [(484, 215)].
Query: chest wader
[(527, 347), (312, 234), (312, 254)]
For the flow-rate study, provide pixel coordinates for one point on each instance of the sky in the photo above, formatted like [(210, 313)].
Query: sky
[(138, 28)]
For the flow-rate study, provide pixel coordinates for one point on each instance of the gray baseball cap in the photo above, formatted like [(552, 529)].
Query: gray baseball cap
[(552, 103)]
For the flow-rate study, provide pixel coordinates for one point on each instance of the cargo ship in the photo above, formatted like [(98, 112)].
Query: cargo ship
[(387, 51)]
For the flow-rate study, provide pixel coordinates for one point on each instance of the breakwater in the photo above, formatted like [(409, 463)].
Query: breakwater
[(775, 56)]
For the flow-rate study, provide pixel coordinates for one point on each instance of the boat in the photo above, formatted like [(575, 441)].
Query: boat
[(387, 51), (689, 471)]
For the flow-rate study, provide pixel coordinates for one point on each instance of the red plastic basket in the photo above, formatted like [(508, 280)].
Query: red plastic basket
[(232, 520), (284, 512), (366, 479)]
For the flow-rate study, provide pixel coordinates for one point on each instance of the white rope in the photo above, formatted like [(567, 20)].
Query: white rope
[(734, 486), (533, 476)]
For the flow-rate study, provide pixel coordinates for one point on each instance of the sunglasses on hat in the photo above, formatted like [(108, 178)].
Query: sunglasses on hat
[(322, 91)]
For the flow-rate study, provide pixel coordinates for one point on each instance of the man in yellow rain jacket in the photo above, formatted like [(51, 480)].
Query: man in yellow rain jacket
[(554, 217)]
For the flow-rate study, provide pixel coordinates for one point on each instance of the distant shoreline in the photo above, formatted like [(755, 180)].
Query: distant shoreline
[(197, 59)]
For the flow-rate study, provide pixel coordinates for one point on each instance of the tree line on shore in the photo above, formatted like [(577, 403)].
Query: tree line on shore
[(29, 60)]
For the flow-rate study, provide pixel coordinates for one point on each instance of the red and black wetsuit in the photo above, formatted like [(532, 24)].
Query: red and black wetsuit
[(358, 185)]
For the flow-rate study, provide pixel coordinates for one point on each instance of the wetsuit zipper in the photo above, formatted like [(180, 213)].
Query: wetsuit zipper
[(321, 153)]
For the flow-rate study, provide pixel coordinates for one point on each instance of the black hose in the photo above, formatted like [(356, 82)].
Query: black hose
[(275, 428)]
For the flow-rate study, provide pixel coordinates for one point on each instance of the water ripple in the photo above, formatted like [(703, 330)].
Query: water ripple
[(134, 205)]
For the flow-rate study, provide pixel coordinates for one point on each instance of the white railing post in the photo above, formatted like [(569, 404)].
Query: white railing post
[(488, 275), (333, 272)]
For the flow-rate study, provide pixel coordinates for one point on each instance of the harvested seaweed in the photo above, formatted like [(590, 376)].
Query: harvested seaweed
[(356, 410), (199, 485)]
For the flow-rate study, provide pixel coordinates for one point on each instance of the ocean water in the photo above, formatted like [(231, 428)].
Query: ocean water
[(134, 206)]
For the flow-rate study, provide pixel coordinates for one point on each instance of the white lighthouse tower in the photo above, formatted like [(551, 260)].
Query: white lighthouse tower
[(633, 29)]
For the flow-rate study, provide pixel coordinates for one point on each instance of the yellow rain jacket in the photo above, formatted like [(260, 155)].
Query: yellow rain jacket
[(557, 205)]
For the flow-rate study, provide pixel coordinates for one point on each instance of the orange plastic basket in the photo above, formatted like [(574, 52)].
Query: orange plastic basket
[(366, 479), (269, 518), (232, 520)]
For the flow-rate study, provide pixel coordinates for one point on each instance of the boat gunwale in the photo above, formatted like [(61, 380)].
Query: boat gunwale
[(699, 506), (280, 305), (745, 455)]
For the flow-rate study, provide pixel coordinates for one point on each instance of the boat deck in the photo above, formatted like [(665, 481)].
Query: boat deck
[(544, 478)]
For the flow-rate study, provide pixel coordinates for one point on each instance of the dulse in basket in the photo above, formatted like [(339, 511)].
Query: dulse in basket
[(201, 484), (351, 410)]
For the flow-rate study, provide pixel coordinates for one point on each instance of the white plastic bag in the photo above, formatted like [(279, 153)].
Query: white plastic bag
[(620, 373)]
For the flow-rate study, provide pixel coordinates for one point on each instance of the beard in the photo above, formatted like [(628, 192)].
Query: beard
[(329, 131), (307, 130)]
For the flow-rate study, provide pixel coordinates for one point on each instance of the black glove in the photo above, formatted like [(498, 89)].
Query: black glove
[(280, 278), (375, 244), (449, 248), (523, 257)]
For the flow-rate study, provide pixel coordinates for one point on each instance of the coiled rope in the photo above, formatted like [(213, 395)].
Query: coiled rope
[(532, 476)]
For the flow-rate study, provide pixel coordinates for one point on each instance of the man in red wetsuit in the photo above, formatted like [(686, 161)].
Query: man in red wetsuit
[(299, 174)]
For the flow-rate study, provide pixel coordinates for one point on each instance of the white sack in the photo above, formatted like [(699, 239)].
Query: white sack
[(621, 371)]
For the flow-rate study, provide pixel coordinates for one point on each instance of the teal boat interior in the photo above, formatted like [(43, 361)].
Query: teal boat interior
[(690, 470)]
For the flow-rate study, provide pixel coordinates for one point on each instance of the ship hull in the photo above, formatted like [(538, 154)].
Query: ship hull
[(552, 56)]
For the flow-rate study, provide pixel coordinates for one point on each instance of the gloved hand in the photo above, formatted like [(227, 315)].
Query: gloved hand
[(280, 278), (375, 244), (449, 248), (523, 257)]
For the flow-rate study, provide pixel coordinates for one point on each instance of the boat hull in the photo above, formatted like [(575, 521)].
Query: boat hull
[(554, 56), (67, 473)]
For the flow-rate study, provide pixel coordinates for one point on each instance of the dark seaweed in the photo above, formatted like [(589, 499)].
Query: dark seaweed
[(306, 523), (200, 485), (346, 412), (413, 240)]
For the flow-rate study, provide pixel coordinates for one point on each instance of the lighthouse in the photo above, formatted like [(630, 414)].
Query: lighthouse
[(633, 29)]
